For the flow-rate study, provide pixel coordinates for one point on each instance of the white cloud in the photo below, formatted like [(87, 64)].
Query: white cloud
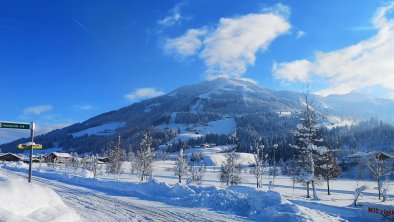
[(300, 34), (364, 65), (37, 110), (83, 107), (278, 9), (299, 70), (230, 47), (174, 16), (143, 93), (186, 45)]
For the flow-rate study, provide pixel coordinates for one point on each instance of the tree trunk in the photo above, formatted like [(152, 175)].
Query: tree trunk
[(307, 190), (379, 186), (180, 178), (314, 190), (328, 187)]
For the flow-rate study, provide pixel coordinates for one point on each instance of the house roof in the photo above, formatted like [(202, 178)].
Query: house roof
[(379, 154), (12, 154), (64, 155)]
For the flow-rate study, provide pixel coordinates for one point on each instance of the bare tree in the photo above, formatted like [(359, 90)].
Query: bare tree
[(75, 164), (257, 169), (144, 160), (328, 167), (181, 166), (197, 173), (358, 193), (116, 158), (132, 159), (294, 171), (231, 170), (378, 166)]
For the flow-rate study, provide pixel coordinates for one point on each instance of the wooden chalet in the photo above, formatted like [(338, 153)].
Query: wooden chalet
[(10, 157)]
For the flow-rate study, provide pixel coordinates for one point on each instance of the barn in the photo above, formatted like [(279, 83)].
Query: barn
[(10, 157)]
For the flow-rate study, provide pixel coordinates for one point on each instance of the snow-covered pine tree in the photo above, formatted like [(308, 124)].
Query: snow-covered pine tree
[(257, 169), (231, 170), (181, 166), (327, 166), (144, 158), (308, 143), (116, 158)]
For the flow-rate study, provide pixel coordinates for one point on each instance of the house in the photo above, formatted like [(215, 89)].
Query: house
[(10, 157), (103, 159), (376, 154), (58, 157), (34, 160)]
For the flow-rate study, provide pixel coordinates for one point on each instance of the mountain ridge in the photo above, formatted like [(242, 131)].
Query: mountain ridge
[(212, 100)]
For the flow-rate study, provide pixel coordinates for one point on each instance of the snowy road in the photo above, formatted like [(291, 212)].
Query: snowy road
[(93, 205)]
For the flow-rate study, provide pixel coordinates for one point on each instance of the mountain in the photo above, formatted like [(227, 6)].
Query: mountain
[(216, 106)]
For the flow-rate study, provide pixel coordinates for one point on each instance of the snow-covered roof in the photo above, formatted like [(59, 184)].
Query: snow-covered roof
[(4, 154), (379, 154), (64, 155)]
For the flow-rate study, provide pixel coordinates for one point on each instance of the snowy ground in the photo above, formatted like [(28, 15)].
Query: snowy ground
[(124, 199), (20, 201)]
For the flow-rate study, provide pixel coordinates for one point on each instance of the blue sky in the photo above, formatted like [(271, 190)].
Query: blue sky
[(62, 62)]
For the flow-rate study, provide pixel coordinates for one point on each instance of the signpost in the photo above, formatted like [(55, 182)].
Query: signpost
[(31, 144), (10, 125), (26, 146)]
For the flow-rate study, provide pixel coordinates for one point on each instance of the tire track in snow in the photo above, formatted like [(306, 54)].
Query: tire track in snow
[(93, 205)]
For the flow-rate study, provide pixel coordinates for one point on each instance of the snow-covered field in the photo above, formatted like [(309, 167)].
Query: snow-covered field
[(211, 199)]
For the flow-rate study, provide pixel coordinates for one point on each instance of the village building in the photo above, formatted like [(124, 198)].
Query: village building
[(10, 157), (58, 157)]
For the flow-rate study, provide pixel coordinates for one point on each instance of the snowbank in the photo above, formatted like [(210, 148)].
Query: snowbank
[(20, 201), (240, 200)]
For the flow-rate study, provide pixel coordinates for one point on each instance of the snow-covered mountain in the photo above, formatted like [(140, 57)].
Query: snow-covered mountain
[(207, 102)]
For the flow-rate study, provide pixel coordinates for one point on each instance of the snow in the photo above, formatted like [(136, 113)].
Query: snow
[(102, 130), (20, 201), (215, 196), (240, 200), (63, 155), (151, 107), (223, 126), (335, 121), (217, 159)]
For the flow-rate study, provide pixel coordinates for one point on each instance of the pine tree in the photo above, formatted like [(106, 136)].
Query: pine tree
[(181, 166), (307, 144), (231, 170), (144, 160)]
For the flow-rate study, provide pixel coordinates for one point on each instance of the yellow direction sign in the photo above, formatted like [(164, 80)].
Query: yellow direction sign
[(23, 146)]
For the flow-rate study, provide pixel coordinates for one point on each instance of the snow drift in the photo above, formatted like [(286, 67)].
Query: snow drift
[(20, 201)]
